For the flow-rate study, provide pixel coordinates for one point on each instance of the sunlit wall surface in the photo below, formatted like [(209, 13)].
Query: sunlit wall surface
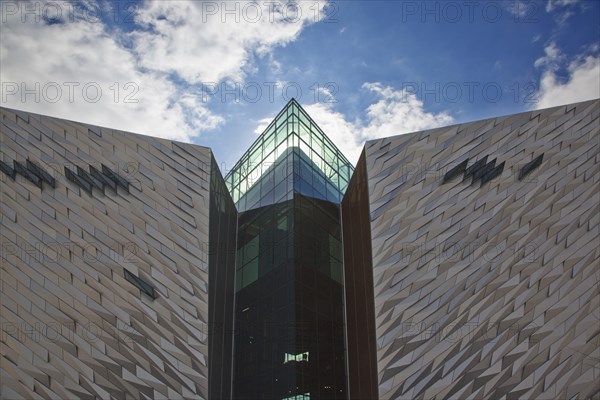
[(110, 292), (474, 274), (471, 274)]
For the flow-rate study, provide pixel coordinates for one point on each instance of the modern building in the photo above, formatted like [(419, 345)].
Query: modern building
[(289, 300), (457, 262)]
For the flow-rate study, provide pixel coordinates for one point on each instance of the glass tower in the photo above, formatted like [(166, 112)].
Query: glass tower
[(289, 317)]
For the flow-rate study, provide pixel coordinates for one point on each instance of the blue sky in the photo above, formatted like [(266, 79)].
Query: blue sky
[(214, 73)]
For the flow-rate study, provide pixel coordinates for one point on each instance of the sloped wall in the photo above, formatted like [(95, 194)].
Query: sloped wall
[(221, 271), (488, 291), (358, 285), (72, 325)]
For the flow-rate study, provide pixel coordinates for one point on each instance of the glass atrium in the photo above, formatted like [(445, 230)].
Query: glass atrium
[(289, 319), (316, 169)]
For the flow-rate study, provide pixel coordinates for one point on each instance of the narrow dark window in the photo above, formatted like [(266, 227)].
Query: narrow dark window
[(476, 166), (141, 284), (454, 172), (8, 170), (40, 173), (487, 168), (115, 177), (82, 183), (530, 166), (492, 174), (22, 170), (94, 172), (82, 173)]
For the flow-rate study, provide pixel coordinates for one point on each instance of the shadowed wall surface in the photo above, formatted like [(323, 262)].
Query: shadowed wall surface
[(358, 281)]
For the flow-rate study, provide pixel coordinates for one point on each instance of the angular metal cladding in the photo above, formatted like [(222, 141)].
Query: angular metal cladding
[(77, 322), (499, 281)]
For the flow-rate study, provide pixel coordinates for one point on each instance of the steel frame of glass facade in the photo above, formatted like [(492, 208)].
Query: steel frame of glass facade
[(291, 129), (289, 314)]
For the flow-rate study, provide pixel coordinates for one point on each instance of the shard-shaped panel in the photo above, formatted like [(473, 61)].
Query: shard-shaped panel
[(488, 290), (105, 294)]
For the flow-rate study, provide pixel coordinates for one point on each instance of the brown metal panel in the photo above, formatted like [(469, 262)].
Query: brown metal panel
[(358, 280)]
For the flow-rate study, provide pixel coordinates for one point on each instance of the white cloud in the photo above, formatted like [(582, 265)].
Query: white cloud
[(263, 123), (552, 5), (346, 135), (563, 9), (79, 72), (169, 39), (517, 8), (552, 57), (211, 41), (398, 111), (393, 113), (583, 83), (326, 93), (565, 81)]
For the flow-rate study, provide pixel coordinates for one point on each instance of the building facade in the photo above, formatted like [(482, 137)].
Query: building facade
[(479, 267), (106, 266), (458, 262), (289, 319)]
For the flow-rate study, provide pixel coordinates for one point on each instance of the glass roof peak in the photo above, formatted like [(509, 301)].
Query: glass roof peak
[(291, 128)]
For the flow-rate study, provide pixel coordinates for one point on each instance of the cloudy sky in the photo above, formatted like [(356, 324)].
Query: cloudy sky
[(214, 73)]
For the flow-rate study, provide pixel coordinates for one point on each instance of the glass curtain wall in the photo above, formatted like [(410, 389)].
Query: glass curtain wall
[(293, 130), (289, 316)]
